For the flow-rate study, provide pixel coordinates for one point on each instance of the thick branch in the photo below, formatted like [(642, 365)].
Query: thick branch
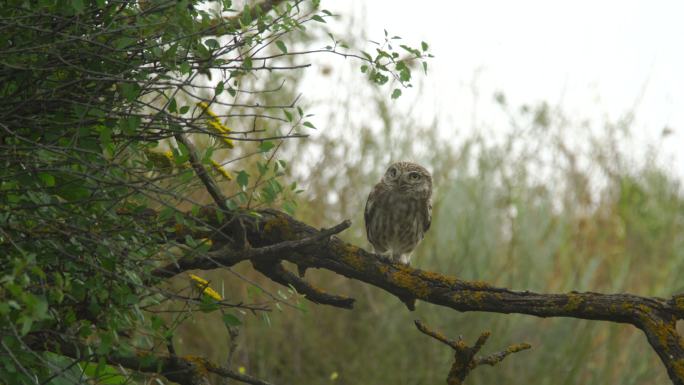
[(655, 316), (227, 256)]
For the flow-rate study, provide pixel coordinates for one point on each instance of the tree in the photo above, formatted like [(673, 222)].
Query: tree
[(110, 131)]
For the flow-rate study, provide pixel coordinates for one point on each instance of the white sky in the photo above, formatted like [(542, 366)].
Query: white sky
[(596, 59)]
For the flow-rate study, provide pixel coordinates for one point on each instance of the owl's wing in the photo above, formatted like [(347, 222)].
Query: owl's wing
[(368, 211), (428, 215)]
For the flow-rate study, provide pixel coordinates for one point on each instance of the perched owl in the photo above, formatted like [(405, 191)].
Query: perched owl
[(398, 210)]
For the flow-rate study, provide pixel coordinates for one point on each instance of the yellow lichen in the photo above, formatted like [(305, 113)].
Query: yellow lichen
[(478, 296), (442, 279), (414, 284), (678, 367), (518, 347), (349, 254), (479, 284), (679, 301), (199, 363), (644, 308), (353, 260), (278, 227), (574, 301), (661, 329)]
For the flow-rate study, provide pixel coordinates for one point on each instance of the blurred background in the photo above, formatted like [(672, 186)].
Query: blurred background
[(554, 135)]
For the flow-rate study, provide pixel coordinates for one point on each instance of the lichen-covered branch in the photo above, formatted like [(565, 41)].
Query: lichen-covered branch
[(277, 273), (184, 370), (294, 241), (464, 355)]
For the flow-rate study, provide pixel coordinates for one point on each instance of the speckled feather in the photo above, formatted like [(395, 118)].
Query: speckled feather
[(398, 210)]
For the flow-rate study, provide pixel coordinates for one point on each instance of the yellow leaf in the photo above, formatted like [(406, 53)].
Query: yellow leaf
[(203, 285)]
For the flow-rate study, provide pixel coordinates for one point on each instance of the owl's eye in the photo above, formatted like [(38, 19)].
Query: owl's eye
[(414, 176), (392, 172)]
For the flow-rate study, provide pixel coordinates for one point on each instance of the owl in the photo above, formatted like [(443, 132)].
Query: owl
[(399, 211)]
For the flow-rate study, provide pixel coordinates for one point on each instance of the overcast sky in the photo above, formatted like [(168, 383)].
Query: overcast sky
[(597, 59)]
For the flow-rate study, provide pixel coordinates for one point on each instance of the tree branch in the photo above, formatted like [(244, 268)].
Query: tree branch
[(656, 317), (202, 174), (464, 355), (277, 273), (227, 256), (185, 370)]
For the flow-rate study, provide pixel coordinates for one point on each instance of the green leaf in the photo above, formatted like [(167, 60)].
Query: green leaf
[(242, 178), (208, 304), (231, 320), (104, 374), (172, 105), (130, 91), (309, 124), (396, 93), (185, 68), (246, 18), (77, 5), (318, 19), (424, 45), (47, 179), (281, 46), (247, 63), (262, 168), (405, 75), (212, 43), (184, 109), (266, 146), (231, 204), (289, 207)]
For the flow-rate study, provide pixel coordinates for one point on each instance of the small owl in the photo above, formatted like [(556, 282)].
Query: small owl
[(399, 211)]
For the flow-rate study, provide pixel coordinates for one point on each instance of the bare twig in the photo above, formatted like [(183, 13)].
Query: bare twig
[(209, 183), (464, 355)]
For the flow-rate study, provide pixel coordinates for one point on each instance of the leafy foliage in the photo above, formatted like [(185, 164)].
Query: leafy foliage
[(93, 93)]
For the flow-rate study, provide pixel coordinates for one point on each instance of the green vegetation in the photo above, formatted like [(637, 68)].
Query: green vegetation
[(94, 94)]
